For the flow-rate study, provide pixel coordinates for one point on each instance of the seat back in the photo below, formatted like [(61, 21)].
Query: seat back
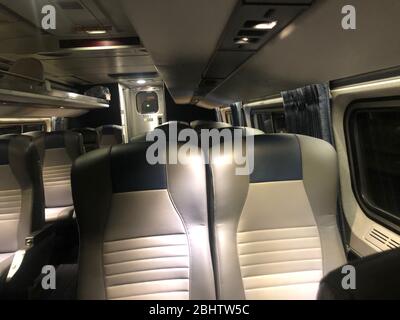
[(57, 151), (21, 192), (203, 124), (110, 135), (143, 228), (275, 230), (91, 139)]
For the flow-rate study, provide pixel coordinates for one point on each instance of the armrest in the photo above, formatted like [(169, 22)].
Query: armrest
[(376, 277), (28, 261), (37, 236)]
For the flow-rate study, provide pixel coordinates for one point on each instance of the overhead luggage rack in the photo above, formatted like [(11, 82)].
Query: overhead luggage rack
[(54, 103), (25, 93)]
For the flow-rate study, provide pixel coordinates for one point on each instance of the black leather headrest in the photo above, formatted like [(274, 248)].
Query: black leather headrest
[(4, 150), (277, 157), (131, 171), (202, 124), (90, 135), (180, 126), (109, 129), (55, 139)]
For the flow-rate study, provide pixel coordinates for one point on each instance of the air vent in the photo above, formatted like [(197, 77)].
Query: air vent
[(248, 40), (70, 5), (382, 240), (251, 33), (252, 23)]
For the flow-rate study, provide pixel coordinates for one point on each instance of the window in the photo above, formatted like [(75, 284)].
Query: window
[(374, 152), (229, 118), (10, 129), (147, 102), (269, 121), (18, 128)]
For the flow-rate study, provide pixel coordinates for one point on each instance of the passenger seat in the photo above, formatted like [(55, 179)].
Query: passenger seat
[(57, 151), (275, 230), (143, 228), (21, 212), (91, 139), (110, 135)]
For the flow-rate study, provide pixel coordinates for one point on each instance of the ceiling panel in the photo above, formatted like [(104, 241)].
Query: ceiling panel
[(315, 48), (181, 36)]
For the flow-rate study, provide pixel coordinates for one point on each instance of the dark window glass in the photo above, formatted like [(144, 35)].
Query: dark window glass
[(278, 119), (33, 127), (9, 129), (269, 121), (147, 102), (375, 151), (21, 128)]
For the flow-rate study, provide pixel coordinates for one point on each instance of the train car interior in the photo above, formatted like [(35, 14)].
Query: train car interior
[(303, 95)]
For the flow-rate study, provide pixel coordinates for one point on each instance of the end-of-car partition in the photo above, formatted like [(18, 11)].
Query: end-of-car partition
[(366, 124)]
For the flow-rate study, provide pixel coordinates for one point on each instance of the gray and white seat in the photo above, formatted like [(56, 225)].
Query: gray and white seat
[(21, 199), (143, 228), (57, 151), (275, 231)]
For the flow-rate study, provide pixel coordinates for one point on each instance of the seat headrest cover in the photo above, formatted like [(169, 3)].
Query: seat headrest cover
[(109, 129), (179, 125), (131, 171), (4, 151), (276, 158), (55, 139), (90, 135), (202, 124)]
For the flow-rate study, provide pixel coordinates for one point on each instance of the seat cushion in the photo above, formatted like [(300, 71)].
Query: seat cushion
[(56, 214), (5, 262)]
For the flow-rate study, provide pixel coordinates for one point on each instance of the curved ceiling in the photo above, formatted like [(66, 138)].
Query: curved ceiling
[(181, 36), (315, 48)]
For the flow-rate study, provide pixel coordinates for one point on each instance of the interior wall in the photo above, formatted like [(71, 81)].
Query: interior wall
[(186, 112), (96, 118)]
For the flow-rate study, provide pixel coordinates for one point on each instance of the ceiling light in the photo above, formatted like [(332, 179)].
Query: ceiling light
[(96, 31), (93, 29), (266, 25), (141, 81), (243, 40)]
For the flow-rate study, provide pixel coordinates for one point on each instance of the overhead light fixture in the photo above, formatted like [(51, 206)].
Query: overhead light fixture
[(266, 25), (96, 31), (98, 44), (141, 81), (242, 40), (93, 29)]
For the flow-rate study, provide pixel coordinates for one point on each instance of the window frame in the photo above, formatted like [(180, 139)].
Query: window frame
[(22, 123), (376, 214), (137, 105), (254, 113)]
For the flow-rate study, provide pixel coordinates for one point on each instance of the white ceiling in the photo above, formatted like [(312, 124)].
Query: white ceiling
[(315, 49), (21, 36), (182, 35)]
